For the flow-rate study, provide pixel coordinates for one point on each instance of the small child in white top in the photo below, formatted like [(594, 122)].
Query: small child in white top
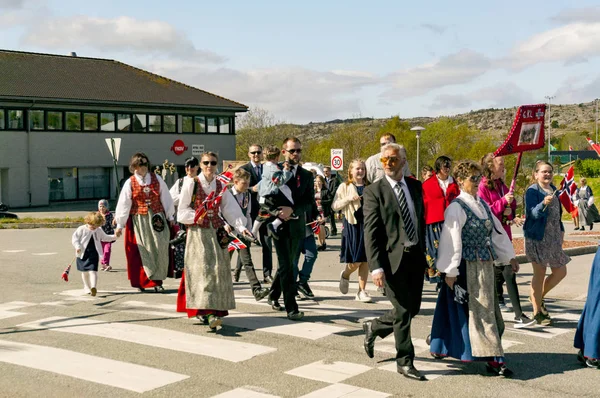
[(87, 243)]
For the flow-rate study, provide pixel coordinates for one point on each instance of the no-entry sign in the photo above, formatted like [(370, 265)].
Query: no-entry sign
[(337, 159)]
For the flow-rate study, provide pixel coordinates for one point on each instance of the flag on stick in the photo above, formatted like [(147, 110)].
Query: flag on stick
[(315, 227), (567, 190), (65, 274), (236, 244)]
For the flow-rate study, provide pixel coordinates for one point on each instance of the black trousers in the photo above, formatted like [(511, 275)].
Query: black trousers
[(245, 260), (331, 214), (287, 249), (504, 273), (404, 289), (267, 250)]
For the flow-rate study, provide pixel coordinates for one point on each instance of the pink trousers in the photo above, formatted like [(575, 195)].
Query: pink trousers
[(106, 248)]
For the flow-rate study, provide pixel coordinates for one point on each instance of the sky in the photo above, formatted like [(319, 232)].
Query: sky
[(322, 60)]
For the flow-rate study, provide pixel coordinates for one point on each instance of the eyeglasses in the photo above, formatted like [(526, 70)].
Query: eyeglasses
[(256, 153), (293, 151), (206, 163), (475, 178), (389, 159)]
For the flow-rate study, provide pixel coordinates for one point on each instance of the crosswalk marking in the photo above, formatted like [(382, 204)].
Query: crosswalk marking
[(44, 254), (9, 314), (345, 391), (329, 372), (244, 393), (100, 370), (431, 369), (15, 305), (227, 350), (13, 251)]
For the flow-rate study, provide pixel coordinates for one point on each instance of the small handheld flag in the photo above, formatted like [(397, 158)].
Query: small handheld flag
[(315, 227), (65, 274), (236, 244)]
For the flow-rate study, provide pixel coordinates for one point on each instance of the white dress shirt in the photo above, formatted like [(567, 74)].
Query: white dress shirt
[(125, 199), (174, 191), (238, 197), (450, 246), (444, 183)]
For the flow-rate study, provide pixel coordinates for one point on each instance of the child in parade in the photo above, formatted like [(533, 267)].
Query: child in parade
[(109, 228), (273, 192), (87, 243)]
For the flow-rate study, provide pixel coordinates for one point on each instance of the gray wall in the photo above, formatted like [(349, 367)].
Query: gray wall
[(84, 149)]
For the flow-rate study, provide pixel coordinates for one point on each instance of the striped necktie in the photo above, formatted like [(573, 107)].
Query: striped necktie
[(409, 227)]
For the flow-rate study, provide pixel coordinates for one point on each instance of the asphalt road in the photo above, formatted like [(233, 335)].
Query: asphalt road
[(56, 342)]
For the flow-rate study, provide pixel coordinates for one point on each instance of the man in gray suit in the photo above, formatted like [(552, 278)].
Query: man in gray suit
[(395, 246)]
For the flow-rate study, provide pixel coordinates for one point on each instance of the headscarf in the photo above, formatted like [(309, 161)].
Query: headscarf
[(103, 202)]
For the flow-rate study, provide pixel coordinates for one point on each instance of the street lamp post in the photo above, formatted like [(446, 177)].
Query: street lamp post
[(549, 98), (596, 120), (417, 130)]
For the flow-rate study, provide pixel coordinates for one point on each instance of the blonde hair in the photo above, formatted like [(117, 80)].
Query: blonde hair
[(94, 219), (272, 153), (241, 174), (350, 179), (539, 164)]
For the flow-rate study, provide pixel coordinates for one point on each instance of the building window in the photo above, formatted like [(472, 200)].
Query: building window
[(2, 126), (199, 124), (107, 122), (154, 123), (213, 128), (55, 120), (62, 184), (93, 182), (73, 121), (123, 122), (224, 126), (140, 123), (36, 120), (90, 121), (187, 124), (170, 124), (16, 119)]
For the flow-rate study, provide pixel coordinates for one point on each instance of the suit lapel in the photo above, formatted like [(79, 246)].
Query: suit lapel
[(390, 196)]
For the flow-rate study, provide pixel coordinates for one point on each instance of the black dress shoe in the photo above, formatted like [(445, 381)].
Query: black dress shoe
[(159, 289), (236, 274), (295, 316), (411, 372), (305, 290), (141, 289), (500, 370), (274, 304), (261, 293), (369, 343), (268, 279)]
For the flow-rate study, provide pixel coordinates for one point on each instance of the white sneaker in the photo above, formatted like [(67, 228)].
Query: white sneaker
[(523, 322), (344, 284), (363, 296)]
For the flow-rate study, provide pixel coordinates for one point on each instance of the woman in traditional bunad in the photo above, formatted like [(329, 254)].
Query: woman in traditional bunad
[(470, 327), (206, 289), (145, 209), (587, 337), (584, 200), (438, 192)]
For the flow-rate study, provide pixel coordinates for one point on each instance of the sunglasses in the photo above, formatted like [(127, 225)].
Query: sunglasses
[(293, 151), (389, 159), (475, 178), (383, 143), (206, 163), (256, 153), (143, 164)]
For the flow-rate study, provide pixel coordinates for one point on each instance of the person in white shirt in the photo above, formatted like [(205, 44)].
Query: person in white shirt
[(87, 241), (145, 209), (374, 166)]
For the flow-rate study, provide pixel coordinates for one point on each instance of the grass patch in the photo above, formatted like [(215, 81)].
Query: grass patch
[(32, 220)]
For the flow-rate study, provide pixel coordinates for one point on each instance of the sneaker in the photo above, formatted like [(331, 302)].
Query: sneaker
[(344, 284), (542, 319), (202, 319), (93, 291), (504, 307), (363, 296), (544, 309), (214, 322), (304, 289), (108, 268), (523, 322)]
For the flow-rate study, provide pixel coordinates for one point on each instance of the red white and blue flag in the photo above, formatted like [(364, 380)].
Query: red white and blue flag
[(236, 244), (226, 176), (315, 227), (594, 146), (567, 190)]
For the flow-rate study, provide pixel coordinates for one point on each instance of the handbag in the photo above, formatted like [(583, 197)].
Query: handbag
[(223, 237), (158, 222)]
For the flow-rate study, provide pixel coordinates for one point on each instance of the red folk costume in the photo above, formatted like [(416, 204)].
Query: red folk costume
[(148, 263)]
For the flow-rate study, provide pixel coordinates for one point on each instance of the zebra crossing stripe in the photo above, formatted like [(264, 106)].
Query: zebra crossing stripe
[(227, 350), (10, 314), (339, 390), (15, 305), (329, 372), (431, 369), (100, 370), (244, 393)]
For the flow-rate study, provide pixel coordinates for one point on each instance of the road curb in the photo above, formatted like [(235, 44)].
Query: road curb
[(24, 225), (571, 251)]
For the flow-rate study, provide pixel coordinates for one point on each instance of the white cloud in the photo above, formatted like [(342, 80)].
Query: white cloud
[(454, 69), (578, 89), (572, 43), (292, 94), (12, 4), (144, 37), (588, 15), (437, 29), (501, 95)]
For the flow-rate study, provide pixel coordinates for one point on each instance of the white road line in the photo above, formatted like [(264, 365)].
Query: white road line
[(345, 391), (432, 369), (15, 305), (81, 293), (269, 324), (244, 393), (44, 254), (389, 345), (329, 372), (87, 367), (13, 251), (9, 314), (227, 350)]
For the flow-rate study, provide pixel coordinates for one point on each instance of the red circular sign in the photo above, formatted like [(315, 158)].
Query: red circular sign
[(179, 147), (336, 162)]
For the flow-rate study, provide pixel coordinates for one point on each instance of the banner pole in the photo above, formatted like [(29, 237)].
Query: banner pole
[(514, 180)]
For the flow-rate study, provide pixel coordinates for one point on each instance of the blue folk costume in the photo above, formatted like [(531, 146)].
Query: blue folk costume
[(587, 337), (471, 239)]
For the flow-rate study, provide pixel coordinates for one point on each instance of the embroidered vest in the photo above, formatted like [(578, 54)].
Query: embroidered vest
[(477, 235), (212, 215), (144, 197)]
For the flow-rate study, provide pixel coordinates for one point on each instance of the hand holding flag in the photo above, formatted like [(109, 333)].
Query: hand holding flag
[(65, 274)]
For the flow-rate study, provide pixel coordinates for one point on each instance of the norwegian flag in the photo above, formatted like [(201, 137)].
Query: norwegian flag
[(315, 226), (236, 244), (226, 176), (570, 148), (567, 190), (594, 146), (203, 209)]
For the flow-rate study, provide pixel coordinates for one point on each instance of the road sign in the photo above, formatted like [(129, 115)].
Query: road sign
[(197, 149), (114, 146), (337, 159)]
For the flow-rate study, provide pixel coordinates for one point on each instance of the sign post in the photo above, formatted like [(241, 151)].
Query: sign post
[(114, 146), (337, 159)]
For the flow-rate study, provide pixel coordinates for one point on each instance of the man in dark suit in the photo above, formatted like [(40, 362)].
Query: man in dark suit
[(255, 167), (292, 231), (395, 246), (332, 186)]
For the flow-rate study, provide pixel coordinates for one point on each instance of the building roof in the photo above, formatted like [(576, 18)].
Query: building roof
[(80, 79)]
